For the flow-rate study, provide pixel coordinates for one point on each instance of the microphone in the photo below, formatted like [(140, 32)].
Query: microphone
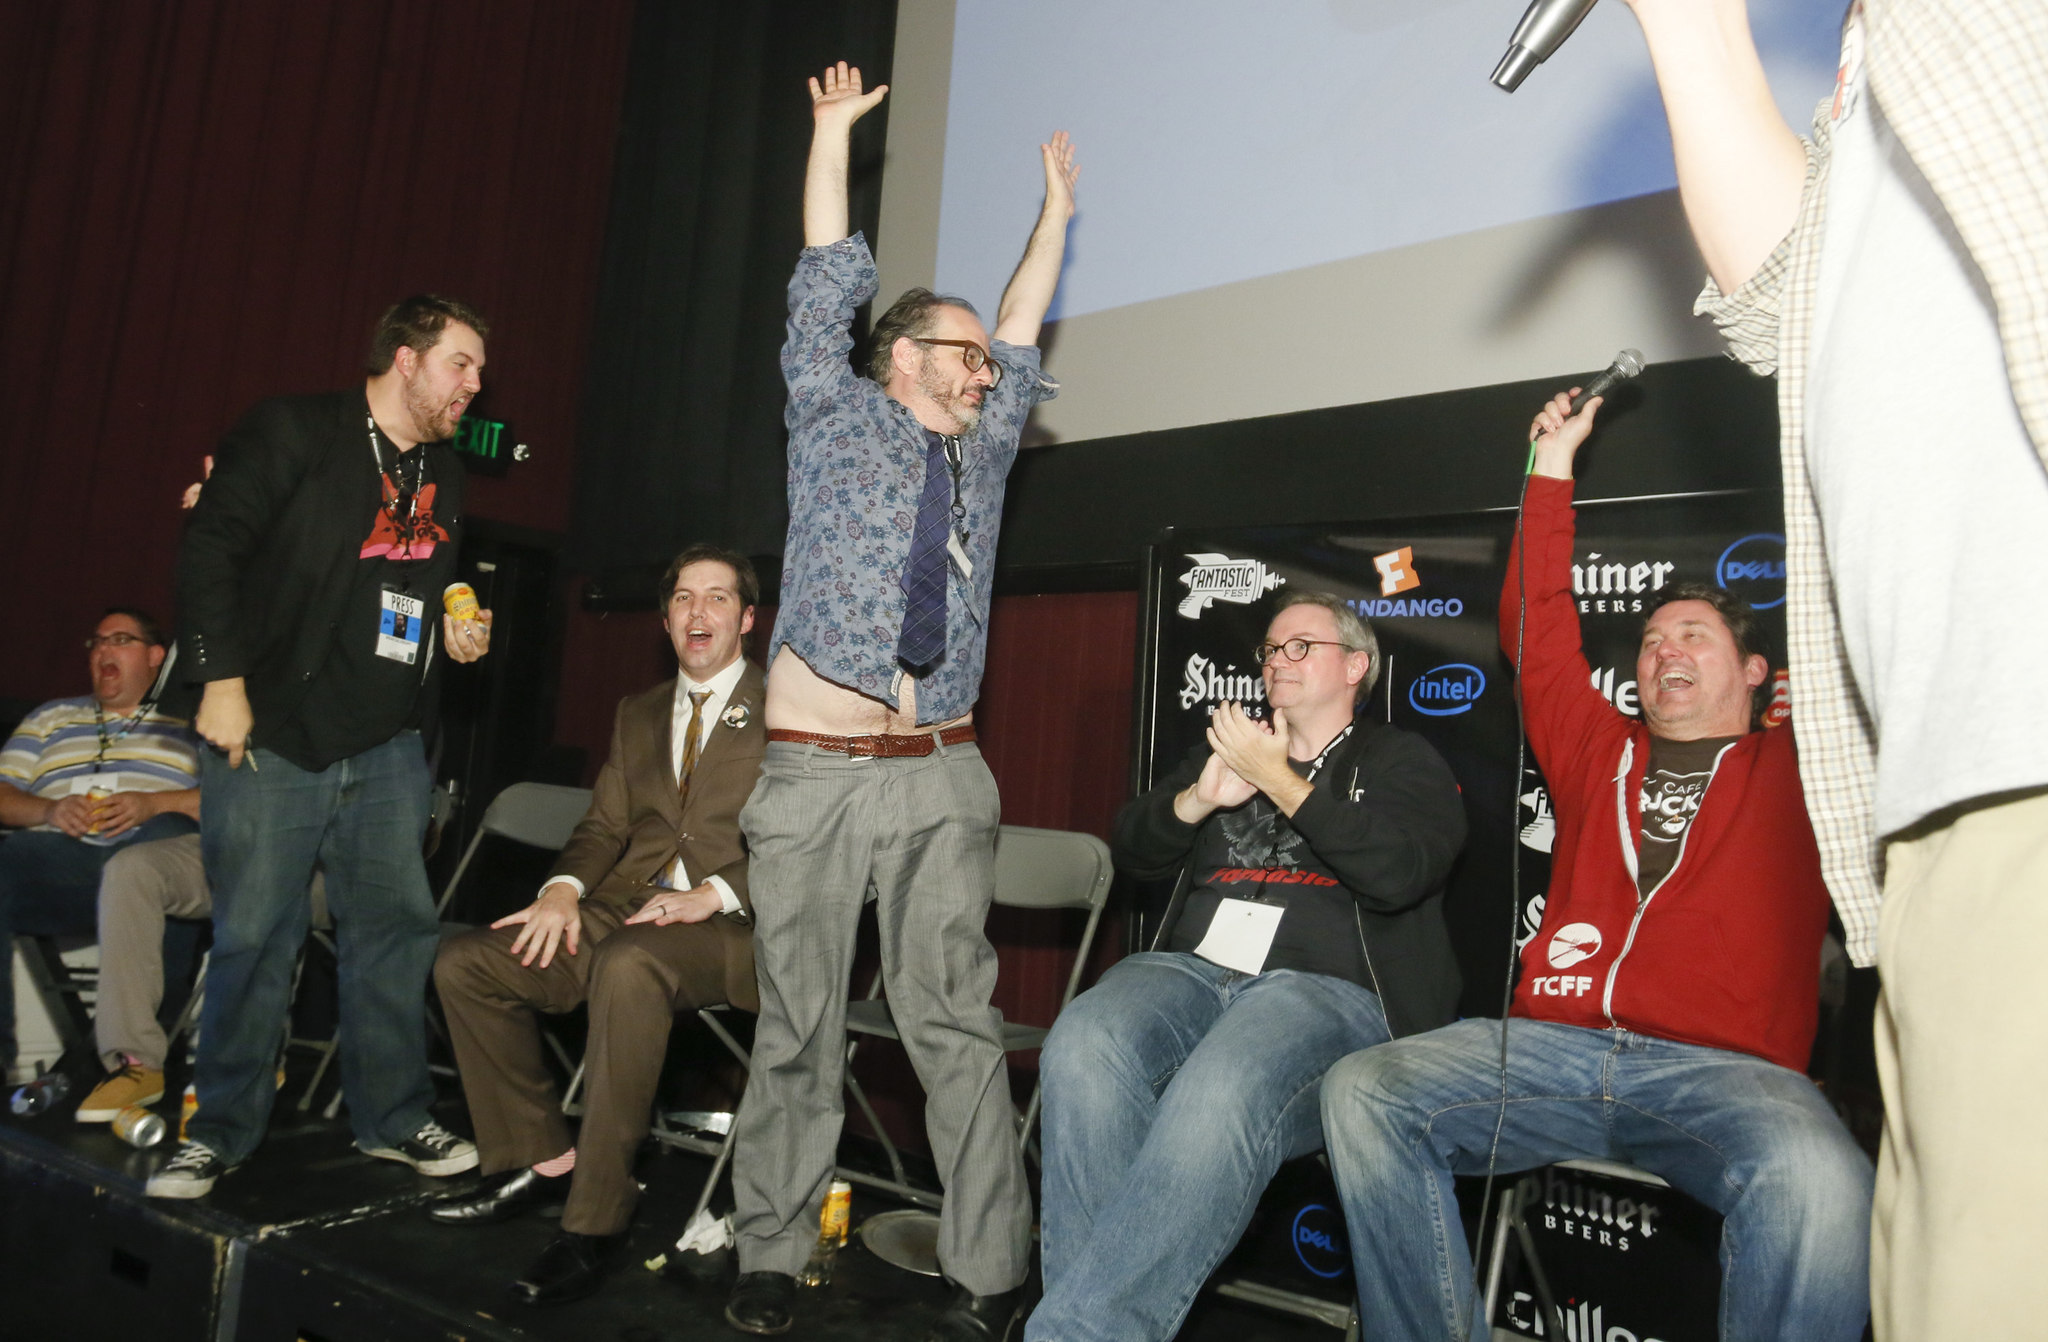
[(1626, 365), (1543, 29)]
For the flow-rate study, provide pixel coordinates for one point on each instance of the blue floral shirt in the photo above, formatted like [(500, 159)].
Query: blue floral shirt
[(856, 468)]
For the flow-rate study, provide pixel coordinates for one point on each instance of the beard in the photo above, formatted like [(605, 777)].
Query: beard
[(429, 420), (933, 383)]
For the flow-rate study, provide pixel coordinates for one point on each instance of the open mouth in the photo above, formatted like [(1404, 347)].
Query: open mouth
[(1675, 680)]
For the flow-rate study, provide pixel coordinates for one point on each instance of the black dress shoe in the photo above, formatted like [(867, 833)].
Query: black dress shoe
[(502, 1197), (571, 1267), (978, 1318), (761, 1303)]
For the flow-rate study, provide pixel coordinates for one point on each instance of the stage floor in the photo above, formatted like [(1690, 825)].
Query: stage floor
[(312, 1241)]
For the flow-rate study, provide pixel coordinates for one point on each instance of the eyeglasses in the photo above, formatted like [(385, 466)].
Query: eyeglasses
[(1295, 648), (974, 356), (120, 640)]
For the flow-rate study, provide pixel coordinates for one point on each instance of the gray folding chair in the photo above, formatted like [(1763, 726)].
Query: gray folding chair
[(540, 815), (1035, 869)]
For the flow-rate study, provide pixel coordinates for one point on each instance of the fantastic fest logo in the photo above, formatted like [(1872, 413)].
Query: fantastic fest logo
[(1218, 577)]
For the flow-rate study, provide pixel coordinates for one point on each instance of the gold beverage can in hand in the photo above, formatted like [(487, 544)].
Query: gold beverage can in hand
[(459, 600)]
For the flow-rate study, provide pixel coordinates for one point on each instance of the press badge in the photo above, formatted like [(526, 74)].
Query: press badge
[(399, 624), (1240, 935)]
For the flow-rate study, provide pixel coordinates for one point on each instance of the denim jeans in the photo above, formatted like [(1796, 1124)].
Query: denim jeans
[(1750, 1139), (1173, 1089), (262, 828), (50, 886)]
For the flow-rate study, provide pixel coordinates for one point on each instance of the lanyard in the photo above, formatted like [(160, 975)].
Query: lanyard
[(395, 475), (99, 722), (954, 460)]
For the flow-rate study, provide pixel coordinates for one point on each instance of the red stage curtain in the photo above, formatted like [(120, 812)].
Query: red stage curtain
[(207, 202)]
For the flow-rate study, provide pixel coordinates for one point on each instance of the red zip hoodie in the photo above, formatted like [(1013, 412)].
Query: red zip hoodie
[(1725, 951)]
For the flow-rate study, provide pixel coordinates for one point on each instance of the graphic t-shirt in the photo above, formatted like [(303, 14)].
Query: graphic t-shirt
[(1252, 852), (1674, 782)]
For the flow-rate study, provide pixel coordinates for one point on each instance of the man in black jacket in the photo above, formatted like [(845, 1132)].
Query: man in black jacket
[(308, 587), (1313, 853)]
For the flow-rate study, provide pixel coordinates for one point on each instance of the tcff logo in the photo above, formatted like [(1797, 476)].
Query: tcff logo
[(1753, 570), (1446, 691)]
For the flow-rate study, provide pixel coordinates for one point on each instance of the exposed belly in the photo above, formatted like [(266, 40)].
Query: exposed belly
[(801, 700)]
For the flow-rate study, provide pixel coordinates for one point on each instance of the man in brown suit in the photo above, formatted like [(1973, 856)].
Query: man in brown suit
[(647, 906)]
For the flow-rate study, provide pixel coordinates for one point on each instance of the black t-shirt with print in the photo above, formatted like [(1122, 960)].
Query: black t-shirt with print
[(1674, 781)]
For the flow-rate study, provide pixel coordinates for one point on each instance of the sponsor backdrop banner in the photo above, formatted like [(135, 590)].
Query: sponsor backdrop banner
[(1431, 588)]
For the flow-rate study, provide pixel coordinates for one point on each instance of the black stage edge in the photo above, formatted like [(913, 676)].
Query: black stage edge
[(312, 1241)]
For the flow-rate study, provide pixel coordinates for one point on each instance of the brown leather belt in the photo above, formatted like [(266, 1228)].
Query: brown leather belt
[(878, 746)]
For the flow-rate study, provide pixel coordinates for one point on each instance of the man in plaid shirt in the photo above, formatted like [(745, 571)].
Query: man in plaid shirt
[(1893, 272)]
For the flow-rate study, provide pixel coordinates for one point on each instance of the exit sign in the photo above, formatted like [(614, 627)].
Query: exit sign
[(487, 445)]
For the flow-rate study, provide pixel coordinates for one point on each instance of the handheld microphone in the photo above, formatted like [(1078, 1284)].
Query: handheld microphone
[(1543, 29), (1626, 365)]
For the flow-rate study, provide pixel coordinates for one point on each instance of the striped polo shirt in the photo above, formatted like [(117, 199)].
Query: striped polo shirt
[(64, 747)]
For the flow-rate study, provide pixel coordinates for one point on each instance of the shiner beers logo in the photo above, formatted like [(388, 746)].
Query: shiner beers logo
[(1217, 577)]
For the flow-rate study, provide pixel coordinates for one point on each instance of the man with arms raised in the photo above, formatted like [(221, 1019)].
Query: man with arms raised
[(308, 584), (84, 779), (872, 786), (1890, 271), (1667, 1004), (644, 916), (1313, 854)]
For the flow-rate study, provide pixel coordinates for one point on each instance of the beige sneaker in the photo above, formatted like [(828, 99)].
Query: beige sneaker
[(133, 1084)]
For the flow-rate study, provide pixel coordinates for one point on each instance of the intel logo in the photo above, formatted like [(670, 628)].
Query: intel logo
[(1753, 570), (1446, 691), (1318, 1235)]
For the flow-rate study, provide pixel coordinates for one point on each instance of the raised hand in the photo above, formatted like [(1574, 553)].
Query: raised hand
[(837, 99), (1060, 172), (1555, 434)]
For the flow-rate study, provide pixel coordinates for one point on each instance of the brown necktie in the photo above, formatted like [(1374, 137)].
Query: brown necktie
[(692, 735)]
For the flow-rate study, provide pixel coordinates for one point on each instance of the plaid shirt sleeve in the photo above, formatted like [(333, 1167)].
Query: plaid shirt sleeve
[(1964, 84)]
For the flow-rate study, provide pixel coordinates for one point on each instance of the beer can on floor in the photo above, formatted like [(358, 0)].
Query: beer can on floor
[(186, 1108), (837, 1213), (139, 1127), (459, 600)]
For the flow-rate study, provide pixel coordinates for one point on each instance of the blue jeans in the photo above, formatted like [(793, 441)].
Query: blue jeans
[(262, 829), (1750, 1139), (1173, 1089), (50, 886)]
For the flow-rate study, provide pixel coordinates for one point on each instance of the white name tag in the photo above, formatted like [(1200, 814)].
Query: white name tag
[(399, 625), (1240, 935)]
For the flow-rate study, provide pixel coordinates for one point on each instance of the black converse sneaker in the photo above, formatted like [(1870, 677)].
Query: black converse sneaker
[(189, 1174), (432, 1150)]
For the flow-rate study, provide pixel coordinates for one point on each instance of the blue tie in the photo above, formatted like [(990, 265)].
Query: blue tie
[(923, 640)]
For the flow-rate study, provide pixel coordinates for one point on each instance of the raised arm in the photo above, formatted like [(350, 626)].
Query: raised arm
[(836, 103), (1030, 290), (1741, 169)]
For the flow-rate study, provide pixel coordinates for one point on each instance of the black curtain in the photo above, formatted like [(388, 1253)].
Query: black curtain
[(681, 433)]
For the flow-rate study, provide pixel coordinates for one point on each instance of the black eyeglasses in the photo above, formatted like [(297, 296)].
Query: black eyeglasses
[(1295, 648), (120, 640), (974, 356)]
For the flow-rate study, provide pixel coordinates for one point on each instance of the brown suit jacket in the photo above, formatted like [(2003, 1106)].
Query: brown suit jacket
[(639, 823)]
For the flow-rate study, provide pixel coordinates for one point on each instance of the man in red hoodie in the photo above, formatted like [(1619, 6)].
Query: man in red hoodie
[(1667, 1005)]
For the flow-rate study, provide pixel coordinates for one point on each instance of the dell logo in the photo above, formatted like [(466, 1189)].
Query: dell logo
[(1752, 570)]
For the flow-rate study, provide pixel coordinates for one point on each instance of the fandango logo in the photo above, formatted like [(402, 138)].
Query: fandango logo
[(1753, 570), (1446, 691), (1318, 1238)]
